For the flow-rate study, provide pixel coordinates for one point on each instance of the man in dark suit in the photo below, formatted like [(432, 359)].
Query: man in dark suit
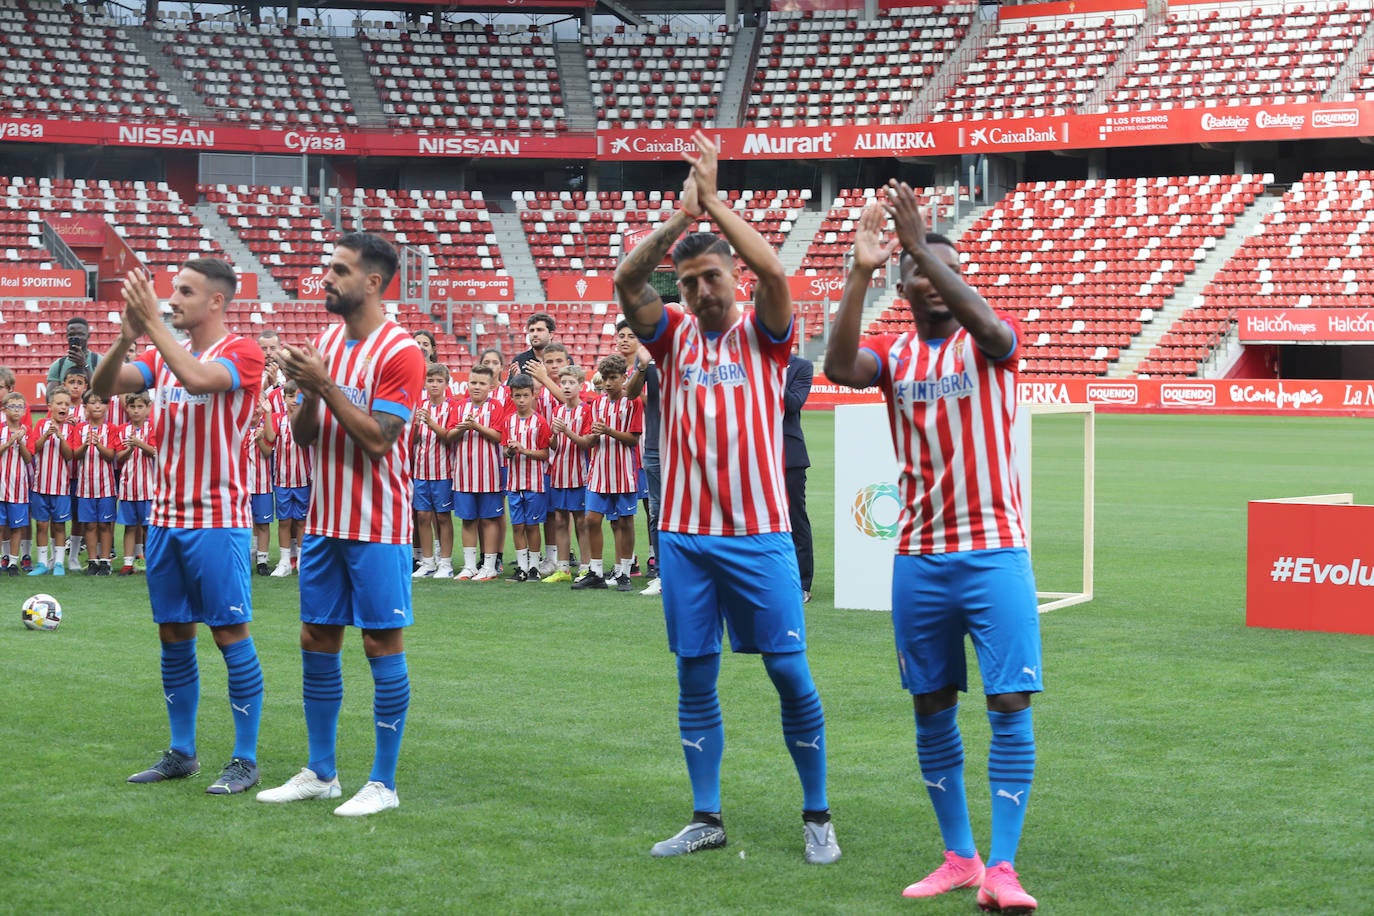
[(797, 387)]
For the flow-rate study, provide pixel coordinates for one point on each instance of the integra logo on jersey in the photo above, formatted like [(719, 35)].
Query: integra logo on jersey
[(356, 396), (946, 386), (724, 374)]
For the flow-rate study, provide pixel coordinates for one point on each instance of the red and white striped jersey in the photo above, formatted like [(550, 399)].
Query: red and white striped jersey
[(14, 470), (568, 468), (546, 404), (115, 412), (95, 476), (354, 497), (476, 460), (431, 456), (615, 465), (532, 432), (276, 400), (202, 474), (137, 472), (720, 427), (52, 474), (259, 465), (951, 410), (291, 462)]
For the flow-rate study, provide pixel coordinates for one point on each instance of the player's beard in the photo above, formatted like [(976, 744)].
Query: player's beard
[(336, 303)]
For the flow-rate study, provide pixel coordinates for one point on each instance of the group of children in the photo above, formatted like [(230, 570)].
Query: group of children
[(89, 462), (561, 455), (544, 448)]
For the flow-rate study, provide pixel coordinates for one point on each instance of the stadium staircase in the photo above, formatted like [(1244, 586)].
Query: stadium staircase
[(1184, 296), (804, 229), (1359, 56), (577, 87), (516, 254), (362, 88), (170, 73), (1116, 73), (981, 31), (269, 290), (734, 88)]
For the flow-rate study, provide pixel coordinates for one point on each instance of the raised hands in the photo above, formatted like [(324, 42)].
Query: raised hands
[(870, 251)]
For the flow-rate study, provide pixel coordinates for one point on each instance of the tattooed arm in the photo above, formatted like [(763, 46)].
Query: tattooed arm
[(640, 303)]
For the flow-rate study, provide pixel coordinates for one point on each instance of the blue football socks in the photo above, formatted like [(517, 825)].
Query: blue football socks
[(1011, 766), (322, 690), (701, 728), (181, 691), (803, 723), (390, 703), (940, 753), (245, 696)]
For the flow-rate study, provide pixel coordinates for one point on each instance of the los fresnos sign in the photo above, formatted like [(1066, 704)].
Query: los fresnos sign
[(1307, 121)]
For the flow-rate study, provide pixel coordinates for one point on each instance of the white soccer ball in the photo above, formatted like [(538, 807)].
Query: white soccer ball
[(42, 612)]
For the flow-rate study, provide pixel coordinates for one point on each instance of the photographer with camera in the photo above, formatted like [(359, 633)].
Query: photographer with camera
[(78, 356)]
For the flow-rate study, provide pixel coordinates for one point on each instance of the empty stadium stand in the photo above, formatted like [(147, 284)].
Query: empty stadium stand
[(655, 77)]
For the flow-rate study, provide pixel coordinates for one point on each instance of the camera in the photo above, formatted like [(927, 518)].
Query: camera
[(75, 341)]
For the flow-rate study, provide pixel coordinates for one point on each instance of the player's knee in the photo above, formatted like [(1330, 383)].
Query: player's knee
[(1008, 702), (790, 673)]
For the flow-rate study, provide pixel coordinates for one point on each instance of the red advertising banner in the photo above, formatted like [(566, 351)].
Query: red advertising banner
[(79, 231), (1277, 121), (1307, 121), (248, 285), (1310, 566), (1306, 326), (815, 289), (477, 287), (16, 282), (579, 288)]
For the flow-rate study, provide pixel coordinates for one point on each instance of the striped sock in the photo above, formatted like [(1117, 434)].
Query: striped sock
[(1011, 766), (803, 723), (940, 753), (390, 703), (245, 696), (701, 728), (181, 690), (322, 691)]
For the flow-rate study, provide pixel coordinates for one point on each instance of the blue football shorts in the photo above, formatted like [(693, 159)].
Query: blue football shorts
[(568, 499), (200, 575), (264, 508), (528, 507), (50, 507), (14, 515), (748, 584), (292, 502), (642, 484), (137, 511), (434, 496), (612, 506), (95, 509), (471, 506), (988, 595), (355, 583)]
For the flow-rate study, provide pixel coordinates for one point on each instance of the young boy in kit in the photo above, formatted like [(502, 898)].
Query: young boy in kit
[(14, 480), (94, 445), (617, 422), (525, 439), (431, 462), (571, 423), (477, 491), (8, 386), (137, 463), (76, 382), (261, 497), (548, 397), (290, 482), (50, 494)]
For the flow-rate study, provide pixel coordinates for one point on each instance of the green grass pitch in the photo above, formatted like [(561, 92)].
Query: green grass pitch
[(1187, 764)]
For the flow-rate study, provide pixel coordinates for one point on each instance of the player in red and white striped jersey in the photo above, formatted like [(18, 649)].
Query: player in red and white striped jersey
[(50, 496), (572, 424), (525, 437), (14, 477), (95, 444), (360, 383), (292, 470), (961, 564), (204, 389), (478, 490), (724, 508), (137, 469), (261, 497), (431, 457), (612, 479)]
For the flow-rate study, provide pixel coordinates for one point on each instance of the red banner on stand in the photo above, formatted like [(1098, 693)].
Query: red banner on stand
[(18, 283), (579, 288), (1305, 326)]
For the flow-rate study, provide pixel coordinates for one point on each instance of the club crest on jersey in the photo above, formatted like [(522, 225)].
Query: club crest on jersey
[(959, 385)]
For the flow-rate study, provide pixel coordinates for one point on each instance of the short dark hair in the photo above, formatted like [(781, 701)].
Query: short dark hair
[(268, 332), (621, 325), (934, 238), (544, 317), (77, 370), (497, 350), (612, 365), (434, 369), (77, 319), (93, 395), (554, 346), (521, 380), (480, 369), (216, 271), (699, 243), (376, 254)]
